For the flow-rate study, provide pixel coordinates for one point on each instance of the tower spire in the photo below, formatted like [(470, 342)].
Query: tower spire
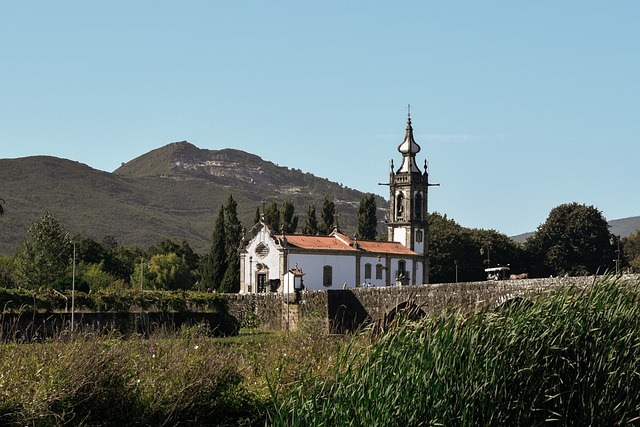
[(409, 148)]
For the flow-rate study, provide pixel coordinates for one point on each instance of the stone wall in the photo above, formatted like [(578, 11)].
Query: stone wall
[(346, 310), (42, 325)]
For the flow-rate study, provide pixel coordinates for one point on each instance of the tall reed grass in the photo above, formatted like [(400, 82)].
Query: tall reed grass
[(572, 358)]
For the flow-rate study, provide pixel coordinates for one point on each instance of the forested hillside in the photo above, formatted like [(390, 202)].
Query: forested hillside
[(171, 192)]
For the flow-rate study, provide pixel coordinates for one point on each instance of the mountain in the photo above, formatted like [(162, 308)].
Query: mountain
[(620, 227), (172, 192)]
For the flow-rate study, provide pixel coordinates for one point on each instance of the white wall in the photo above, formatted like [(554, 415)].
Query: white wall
[(313, 266), (271, 260), (419, 247), (400, 235), (373, 261)]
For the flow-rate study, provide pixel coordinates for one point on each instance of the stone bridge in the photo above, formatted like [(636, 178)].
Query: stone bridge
[(347, 310)]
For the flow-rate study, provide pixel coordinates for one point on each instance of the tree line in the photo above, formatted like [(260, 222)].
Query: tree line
[(574, 240), (48, 256)]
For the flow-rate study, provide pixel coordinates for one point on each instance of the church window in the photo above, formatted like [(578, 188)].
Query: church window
[(262, 250), (418, 207), (327, 273), (367, 271), (402, 268), (400, 205), (378, 271), (419, 236)]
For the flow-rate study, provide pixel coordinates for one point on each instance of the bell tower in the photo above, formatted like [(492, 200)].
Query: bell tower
[(408, 191)]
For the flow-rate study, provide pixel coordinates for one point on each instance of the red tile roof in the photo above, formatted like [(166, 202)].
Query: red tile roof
[(341, 242)]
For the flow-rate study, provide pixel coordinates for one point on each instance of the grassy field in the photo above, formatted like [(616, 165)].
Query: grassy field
[(572, 358)]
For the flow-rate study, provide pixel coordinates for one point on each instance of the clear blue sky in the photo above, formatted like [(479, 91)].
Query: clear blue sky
[(518, 106)]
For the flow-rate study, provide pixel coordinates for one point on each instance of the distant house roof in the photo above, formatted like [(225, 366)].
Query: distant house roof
[(341, 242)]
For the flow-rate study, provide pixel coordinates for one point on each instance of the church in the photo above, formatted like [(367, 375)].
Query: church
[(275, 262)]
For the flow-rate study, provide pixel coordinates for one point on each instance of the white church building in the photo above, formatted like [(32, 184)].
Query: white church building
[(276, 262)]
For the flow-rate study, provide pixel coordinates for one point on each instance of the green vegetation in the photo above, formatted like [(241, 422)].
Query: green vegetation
[(574, 240), (631, 249), (172, 192), (44, 256), (327, 216), (110, 300), (367, 218), (221, 266), (572, 358), (310, 226)]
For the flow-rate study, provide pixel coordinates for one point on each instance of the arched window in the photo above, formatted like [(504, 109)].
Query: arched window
[(378, 271), (419, 236), (327, 273), (418, 205), (400, 205), (402, 268), (367, 271)]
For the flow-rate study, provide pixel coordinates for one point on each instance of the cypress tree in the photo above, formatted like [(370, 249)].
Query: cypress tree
[(310, 226), (233, 234), (272, 216), (256, 218), (327, 216), (215, 263), (288, 219), (367, 219)]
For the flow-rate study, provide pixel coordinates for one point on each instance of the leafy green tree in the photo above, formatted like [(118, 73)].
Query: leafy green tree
[(288, 219), (574, 240), (45, 255), (183, 250), (121, 262), (256, 217), (272, 216), (169, 272), (631, 250), (497, 250), (327, 216), (7, 272), (310, 226), (96, 278), (88, 250), (453, 247), (367, 219)]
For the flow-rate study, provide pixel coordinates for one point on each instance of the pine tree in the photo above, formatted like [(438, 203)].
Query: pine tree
[(310, 226), (45, 255), (367, 219), (288, 219), (327, 216), (256, 218)]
